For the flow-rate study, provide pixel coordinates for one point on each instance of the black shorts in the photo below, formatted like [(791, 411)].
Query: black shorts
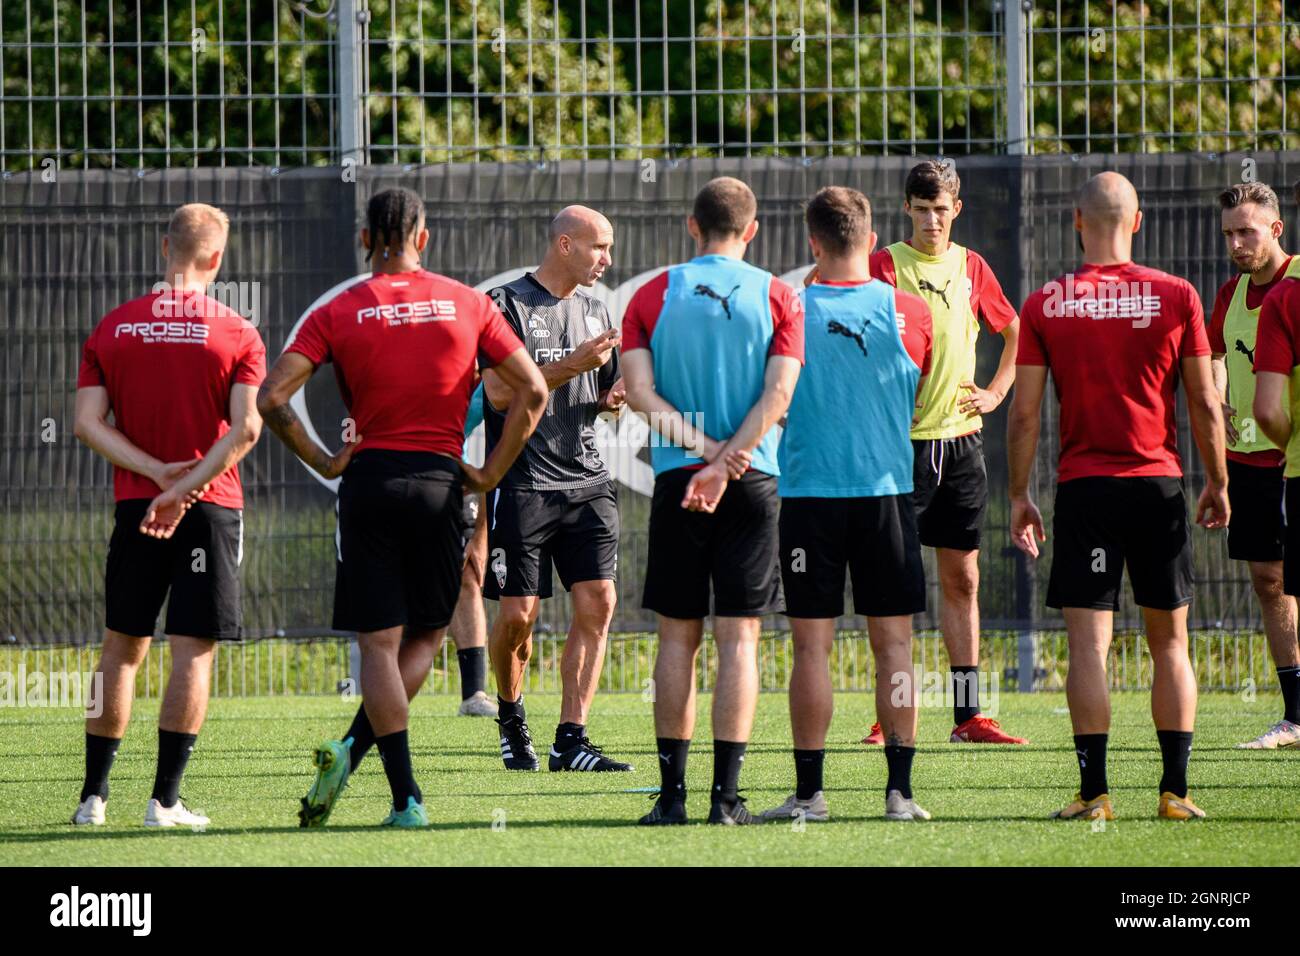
[(950, 489), (399, 541), (1101, 524), (734, 549), (196, 571), (1291, 559), (528, 531), (874, 538), (1258, 526)]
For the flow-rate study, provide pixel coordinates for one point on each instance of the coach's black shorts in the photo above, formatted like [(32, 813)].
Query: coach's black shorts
[(399, 541), (874, 538), (528, 531), (734, 549), (1101, 524), (198, 567), (1258, 526), (950, 489)]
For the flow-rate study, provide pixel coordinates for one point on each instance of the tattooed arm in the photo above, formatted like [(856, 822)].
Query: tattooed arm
[(289, 374)]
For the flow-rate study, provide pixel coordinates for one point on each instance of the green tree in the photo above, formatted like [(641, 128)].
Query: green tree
[(1142, 77), (254, 81)]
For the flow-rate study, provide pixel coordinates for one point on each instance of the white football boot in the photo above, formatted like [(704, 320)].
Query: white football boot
[(90, 812), (898, 807), (1282, 735), (813, 809), (156, 815)]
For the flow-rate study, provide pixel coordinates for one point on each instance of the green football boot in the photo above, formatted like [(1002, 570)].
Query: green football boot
[(333, 764)]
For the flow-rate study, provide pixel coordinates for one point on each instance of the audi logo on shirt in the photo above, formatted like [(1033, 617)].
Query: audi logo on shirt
[(410, 313), (150, 332)]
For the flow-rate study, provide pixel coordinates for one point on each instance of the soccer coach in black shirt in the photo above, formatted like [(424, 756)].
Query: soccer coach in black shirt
[(557, 503)]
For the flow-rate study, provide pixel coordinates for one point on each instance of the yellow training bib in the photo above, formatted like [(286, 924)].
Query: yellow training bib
[(1240, 326), (942, 282)]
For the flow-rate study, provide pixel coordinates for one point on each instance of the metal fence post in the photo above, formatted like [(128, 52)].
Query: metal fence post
[(353, 17), (1015, 19), (354, 665)]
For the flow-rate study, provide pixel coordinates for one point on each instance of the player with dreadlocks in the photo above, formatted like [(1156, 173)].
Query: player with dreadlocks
[(404, 344)]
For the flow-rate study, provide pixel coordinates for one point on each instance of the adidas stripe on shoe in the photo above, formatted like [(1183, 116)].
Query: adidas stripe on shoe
[(584, 756), (517, 745)]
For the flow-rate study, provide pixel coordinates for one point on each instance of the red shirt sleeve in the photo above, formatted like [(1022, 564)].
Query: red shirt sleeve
[(90, 374), (642, 313), (1275, 341), (881, 265), (916, 326), (1032, 349), (1195, 341), (250, 367), (1218, 314), (496, 339), (987, 299), (312, 338), (787, 321)]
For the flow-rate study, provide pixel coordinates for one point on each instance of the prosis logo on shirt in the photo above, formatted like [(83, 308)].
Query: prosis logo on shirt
[(1103, 299), (410, 313), (185, 333)]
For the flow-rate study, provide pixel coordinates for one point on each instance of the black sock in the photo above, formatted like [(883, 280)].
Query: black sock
[(899, 761), (1091, 751), (672, 767), (100, 752), (965, 693), (395, 752), (568, 735), (1175, 749), (363, 737), (473, 671), (506, 709), (808, 772), (173, 754), (728, 755), (1289, 678)]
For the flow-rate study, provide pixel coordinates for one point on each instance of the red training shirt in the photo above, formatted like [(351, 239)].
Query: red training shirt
[(1277, 343), (168, 361), (1114, 360), (404, 349)]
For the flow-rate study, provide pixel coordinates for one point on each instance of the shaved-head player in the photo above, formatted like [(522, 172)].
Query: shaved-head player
[(1118, 338), (557, 505)]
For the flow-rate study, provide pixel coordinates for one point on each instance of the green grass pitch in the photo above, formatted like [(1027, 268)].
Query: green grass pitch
[(990, 803)]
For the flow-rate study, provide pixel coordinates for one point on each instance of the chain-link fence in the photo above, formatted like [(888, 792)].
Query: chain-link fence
[(72, 249), (128, 84), (790, 94), (1161, 75)]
